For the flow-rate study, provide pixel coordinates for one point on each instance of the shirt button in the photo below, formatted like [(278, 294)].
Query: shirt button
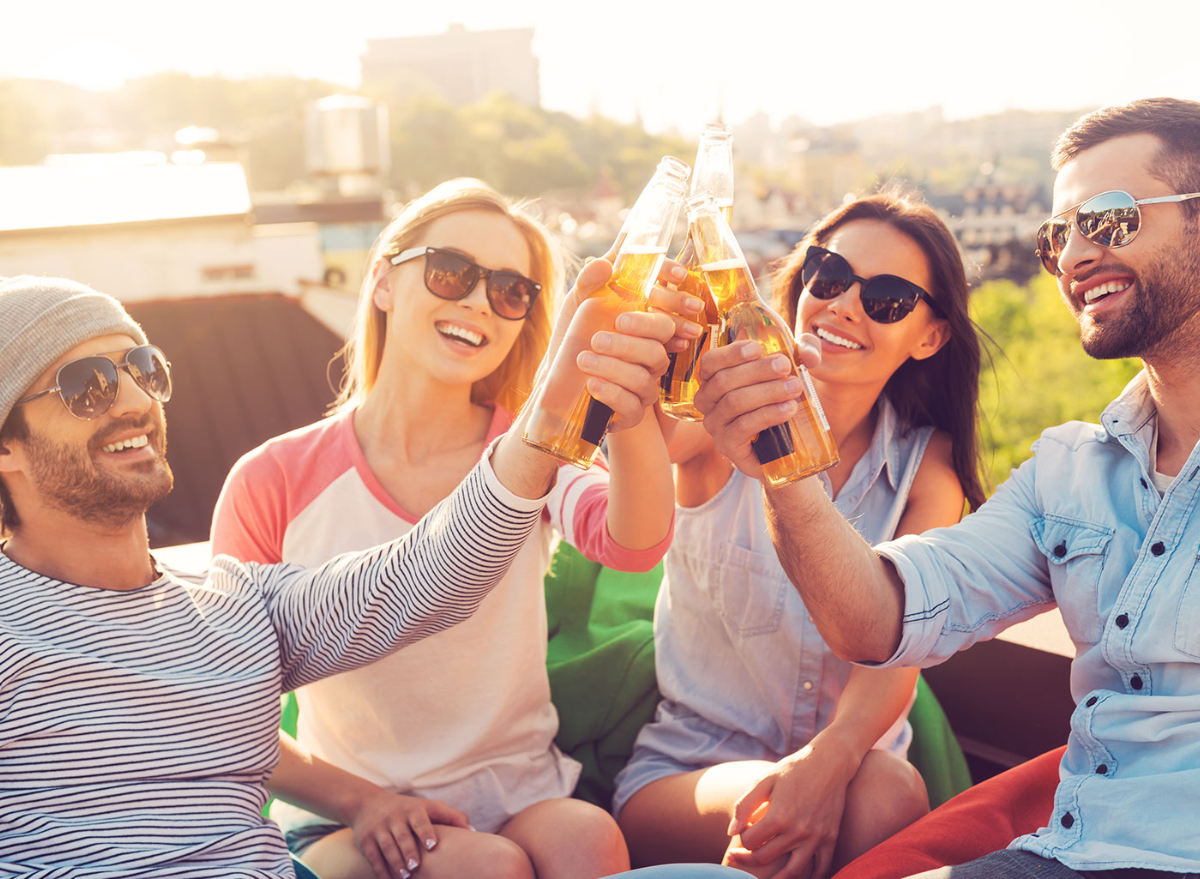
[(1060, 550), (1122, 621), (1102, 769), (1067, 821), (808, 685), (1158, 548), (1090, 702), (1136, 682)]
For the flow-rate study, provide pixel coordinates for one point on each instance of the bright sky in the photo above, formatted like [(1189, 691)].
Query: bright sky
[(828, 62)]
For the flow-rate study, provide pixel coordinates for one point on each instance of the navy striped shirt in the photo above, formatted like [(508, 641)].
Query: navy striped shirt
[(137, 727)]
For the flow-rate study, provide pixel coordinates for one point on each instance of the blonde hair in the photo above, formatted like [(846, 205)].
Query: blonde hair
[(510, 383)]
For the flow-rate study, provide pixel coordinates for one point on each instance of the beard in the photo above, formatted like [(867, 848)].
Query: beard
[(68, 479), (1157, 322)]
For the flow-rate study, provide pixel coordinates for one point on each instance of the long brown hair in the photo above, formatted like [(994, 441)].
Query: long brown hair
[(511, 382), (942, 390)]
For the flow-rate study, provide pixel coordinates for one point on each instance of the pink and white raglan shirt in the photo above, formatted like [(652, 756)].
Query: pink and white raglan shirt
[(464, 716)]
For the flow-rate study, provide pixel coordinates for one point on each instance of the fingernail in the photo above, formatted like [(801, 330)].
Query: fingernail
[(749, 349), (624, 322), (404, 874), (732, 827), (430, 843), (781, 364), (792, 385), (694, 304), (691, 329), (601, 341), (413, 863), (788, 407), (594, 386), (679, 273), (587, 360)]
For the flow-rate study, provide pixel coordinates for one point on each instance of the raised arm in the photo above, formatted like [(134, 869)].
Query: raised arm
[(856, 599)]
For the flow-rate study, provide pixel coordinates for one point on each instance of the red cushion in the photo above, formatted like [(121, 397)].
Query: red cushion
[(982, 819)]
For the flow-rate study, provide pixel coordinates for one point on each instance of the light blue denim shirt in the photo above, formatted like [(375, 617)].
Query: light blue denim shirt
[(743, 671), (1080, 526)]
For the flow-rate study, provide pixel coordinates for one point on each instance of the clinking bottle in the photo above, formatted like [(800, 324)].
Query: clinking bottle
[(713, 176), (564, 419), (799, 447)]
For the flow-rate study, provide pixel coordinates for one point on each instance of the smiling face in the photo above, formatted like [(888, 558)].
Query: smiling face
[(454, 342), (1142, 299), (854, 348), (106, 471)]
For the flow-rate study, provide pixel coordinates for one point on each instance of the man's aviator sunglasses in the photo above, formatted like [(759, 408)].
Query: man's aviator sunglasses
[(450, 275), (1110, 219), (885, 298), (88, 386)]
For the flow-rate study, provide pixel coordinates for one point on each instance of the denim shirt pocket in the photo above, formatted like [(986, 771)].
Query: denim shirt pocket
[(1187, 620), (752, 590), (1076, 551)]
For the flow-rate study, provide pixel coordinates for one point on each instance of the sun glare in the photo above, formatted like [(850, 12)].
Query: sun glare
[(93, 66)]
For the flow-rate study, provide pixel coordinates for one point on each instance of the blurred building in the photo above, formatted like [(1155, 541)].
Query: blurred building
[(239, 308), (827, 166), (460, 66), (148, 227), (996, 225)]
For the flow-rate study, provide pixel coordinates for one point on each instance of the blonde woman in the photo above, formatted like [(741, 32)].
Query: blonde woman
[(441, 757)]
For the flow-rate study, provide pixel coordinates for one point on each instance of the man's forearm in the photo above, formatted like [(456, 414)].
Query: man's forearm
[(856, 599)]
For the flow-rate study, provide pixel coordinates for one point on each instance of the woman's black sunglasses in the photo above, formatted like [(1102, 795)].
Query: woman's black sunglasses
[(450, 275), (885, 298), (88, 386)]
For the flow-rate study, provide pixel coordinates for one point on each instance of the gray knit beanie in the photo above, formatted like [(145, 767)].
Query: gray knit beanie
[(41, 319)]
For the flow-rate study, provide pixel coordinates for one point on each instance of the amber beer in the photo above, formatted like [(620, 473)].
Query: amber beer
[(799, 447), (713, 176), (564, 420)]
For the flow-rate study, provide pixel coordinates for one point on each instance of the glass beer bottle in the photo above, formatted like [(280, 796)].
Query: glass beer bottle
[(564, 419), (799, 447), (713, 175)]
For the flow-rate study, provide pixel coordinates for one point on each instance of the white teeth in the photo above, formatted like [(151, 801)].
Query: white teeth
[(460, 333), (837, 340), (1102, 290), (136, 442)]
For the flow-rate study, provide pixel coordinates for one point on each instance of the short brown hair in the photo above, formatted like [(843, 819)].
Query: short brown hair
[(1173, 121), (14, 428)]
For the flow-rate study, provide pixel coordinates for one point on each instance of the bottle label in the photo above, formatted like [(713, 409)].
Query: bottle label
[(772, 444), (595, 422)]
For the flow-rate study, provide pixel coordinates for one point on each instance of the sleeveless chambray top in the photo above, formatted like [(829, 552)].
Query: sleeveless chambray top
[(743, 672)]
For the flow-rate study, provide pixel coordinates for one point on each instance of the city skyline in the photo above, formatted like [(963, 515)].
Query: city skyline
[(826, 64)]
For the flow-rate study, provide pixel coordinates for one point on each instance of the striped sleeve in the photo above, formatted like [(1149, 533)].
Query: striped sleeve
[(360, 607)]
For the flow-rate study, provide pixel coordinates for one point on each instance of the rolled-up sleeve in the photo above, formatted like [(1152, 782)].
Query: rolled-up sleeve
[(967, 582)]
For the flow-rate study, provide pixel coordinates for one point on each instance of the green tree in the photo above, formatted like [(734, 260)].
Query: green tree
[(1042, 377)]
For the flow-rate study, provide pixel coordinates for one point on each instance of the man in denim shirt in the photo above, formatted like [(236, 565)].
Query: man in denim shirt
[(1103, 522)]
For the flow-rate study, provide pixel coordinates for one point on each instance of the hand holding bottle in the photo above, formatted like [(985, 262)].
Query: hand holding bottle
[(742, 393), (623, 365)]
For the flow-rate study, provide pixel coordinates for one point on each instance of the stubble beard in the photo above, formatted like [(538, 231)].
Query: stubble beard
[(68, 479), (1167, 301)]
